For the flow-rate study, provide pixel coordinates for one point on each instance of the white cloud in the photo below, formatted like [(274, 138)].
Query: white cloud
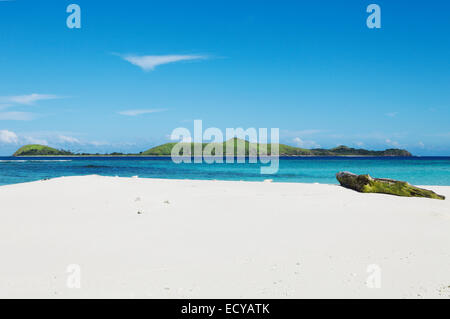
[(32, 140), (186, 139), (48, 138), (421, 145), (96, 143), (392, 143), (16, 116), (8, 137), (28, 99), (68, 139), (17, 100), (305, 144), (140, 112), (55, 139), (149, 62), (392, 114)]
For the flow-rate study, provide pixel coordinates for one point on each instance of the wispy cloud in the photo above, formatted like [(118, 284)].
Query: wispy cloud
[(33, 140), (16, 116), (140, 112), (305, 144), (149, 62), (29, 99), (57, 139), (8, 137), (63, 140), (68, 139), (391, 114), (392, 143), (14, 101)]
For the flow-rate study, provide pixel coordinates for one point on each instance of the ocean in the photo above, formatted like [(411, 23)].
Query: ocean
[(416, 170)]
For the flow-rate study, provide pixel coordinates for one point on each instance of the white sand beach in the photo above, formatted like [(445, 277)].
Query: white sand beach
[(216, 239)]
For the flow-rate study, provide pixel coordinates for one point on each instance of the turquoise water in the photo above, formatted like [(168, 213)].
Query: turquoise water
[(416, 170)]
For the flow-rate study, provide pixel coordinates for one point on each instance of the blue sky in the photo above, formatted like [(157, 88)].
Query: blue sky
[(311, 68)]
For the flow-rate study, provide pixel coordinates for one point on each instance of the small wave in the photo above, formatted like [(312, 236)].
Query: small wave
[(95, 166)]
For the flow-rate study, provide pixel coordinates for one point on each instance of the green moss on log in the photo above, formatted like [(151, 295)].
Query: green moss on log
[(367, 184)]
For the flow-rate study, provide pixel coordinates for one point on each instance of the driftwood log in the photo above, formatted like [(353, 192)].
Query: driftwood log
[(367, 184)]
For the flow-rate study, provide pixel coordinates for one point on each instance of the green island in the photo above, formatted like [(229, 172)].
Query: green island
[(243, 146), (40, 150)]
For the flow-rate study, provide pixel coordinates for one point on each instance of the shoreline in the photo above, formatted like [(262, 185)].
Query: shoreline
[(161, 238), (265, 181)]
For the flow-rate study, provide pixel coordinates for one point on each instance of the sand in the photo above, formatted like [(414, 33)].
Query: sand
[(107, 237)]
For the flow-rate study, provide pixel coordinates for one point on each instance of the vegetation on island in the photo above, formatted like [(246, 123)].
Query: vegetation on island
[(367, 184), (248, 148), (239, 147), (40, 150)]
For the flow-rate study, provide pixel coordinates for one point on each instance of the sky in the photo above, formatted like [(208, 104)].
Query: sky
[(136, 70)]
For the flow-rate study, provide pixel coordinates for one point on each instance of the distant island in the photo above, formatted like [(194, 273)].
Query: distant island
[(166, 150), (40, 150)]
